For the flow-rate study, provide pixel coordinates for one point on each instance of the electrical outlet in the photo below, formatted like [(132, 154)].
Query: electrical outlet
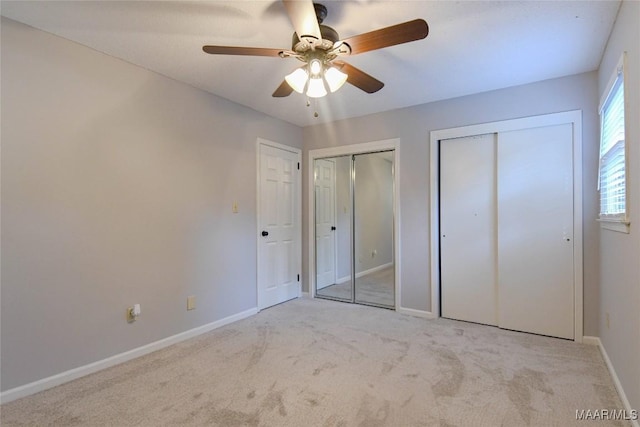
[(191, 302), (234, 207)]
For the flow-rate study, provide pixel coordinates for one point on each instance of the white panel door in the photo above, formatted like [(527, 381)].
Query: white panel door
[(535, 232), (468, 229), (325, 193), (279, 243)]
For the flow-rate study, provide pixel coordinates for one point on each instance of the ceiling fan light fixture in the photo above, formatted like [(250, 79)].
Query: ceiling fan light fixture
[(316, 88), (335, 78), (315, 67), (297, 80), (318, 45)]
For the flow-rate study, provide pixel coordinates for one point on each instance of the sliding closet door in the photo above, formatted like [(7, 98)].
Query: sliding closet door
[(535, 232), (468, 229), (333, 228), (373, 229), (354, 213)]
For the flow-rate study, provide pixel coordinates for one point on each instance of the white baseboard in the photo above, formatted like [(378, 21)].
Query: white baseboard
[(614, 375), (365, 272), (416, 313), (374, 270), (72, 374), (591, 340), (343, 280)]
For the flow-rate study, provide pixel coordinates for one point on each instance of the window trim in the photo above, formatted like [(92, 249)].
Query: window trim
[(616, 222)]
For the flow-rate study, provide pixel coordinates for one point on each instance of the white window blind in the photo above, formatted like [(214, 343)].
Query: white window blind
[(612, 182)]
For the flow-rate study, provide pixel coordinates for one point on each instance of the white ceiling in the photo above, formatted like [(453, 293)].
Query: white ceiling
[(473, 46)]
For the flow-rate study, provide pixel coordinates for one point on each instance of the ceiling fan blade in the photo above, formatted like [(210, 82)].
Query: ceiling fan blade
[(283, 90), (359, 78), (303, 17), (389, 36), (237, 50)]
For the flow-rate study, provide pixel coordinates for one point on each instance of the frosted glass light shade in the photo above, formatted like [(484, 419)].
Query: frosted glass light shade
[(316, 88), (335, 78), (315, 66), (297, 80)]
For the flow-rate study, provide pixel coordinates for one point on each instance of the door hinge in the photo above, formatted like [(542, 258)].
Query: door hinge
[(298, 165), (298, 277)]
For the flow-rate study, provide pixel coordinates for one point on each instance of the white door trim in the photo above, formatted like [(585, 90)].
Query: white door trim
[(345, 150), (298, 195), (573, 117)]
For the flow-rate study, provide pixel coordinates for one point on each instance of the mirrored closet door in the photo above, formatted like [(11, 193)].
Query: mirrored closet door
[(354, 202)]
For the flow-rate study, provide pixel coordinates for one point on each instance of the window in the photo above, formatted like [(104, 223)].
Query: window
[(613, 173)]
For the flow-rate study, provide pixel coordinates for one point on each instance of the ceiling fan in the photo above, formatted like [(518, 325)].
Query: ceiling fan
[(319, 47)]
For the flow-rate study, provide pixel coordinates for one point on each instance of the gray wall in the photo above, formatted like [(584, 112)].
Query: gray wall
[(117, 188), (412, 126), (620, 253), (374, 212)]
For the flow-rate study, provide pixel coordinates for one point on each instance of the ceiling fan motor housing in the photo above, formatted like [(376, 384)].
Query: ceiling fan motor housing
[(321, 12), (329, 37)]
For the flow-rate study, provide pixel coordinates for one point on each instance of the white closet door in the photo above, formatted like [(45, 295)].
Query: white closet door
[(468, 229), (535, 231)]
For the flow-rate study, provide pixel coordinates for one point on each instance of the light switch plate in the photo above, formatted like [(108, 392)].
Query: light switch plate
[(191, 302)]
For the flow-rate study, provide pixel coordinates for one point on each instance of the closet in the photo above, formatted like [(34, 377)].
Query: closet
[(506, 229), (354, 228)]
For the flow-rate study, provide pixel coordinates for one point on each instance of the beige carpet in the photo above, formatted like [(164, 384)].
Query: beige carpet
[(324, 363)]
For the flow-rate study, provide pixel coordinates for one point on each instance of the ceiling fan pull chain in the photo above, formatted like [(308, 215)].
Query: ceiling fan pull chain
[(315, 113)]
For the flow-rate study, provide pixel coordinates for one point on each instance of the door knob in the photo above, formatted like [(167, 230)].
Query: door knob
[(333, 227), (265, 233)]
